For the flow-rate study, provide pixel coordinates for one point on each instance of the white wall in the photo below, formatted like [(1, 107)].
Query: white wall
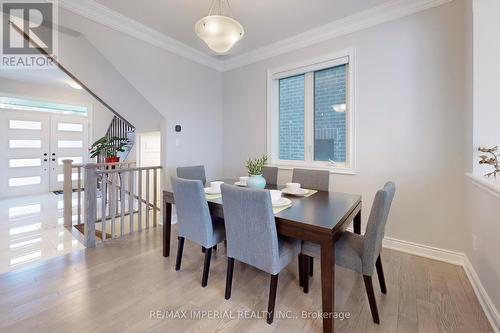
[(182, 91), (101, 116), (482, 205), (486, 76), (482, 246), (409, 119)]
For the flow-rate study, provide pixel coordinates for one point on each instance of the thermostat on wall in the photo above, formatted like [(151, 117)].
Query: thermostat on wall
[(178, 128)]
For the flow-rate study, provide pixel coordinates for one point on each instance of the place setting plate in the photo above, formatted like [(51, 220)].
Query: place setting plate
[(298, 193), (240, 184), (283, 202), (211, 191)]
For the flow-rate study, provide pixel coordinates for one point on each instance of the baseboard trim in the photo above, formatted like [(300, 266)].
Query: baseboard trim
[(484, 299), (426, 251), (455, 258)]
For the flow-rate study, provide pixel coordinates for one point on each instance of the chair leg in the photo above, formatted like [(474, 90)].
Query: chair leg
[(225, 243), (272, 298), (311, 266), (206, 267), (203, 250), (229, 277), (215, 247), (305, 268), (180, 248), (301, 269), (380, 273), (371, 298)]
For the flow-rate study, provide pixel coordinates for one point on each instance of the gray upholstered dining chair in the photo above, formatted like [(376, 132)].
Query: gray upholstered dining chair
[(195, 223), (361, 253), (252, 237), (270, 175), (312, 179), (193, 173)]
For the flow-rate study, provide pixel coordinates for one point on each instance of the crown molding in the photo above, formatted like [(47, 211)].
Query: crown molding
[(119, 22), (385, 12), (388, 11)]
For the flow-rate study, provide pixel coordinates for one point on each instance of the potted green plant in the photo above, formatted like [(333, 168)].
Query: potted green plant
[(109, 147), (254, 167)]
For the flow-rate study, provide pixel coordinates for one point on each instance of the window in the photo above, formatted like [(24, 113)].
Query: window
[(310, 115), (14, 103)]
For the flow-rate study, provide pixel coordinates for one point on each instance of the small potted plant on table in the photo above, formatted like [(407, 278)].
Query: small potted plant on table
[(109, 147), (254, 167)]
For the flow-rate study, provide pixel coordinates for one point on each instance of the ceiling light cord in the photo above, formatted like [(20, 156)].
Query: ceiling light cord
[(221, 8)]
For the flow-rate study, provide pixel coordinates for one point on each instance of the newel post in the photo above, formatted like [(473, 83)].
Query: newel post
[(90, 204), (68, 192)]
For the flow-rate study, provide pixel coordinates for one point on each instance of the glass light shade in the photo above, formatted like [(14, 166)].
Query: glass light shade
[(220, 33)]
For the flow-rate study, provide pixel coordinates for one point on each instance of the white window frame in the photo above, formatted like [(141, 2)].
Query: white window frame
[(308, 68)]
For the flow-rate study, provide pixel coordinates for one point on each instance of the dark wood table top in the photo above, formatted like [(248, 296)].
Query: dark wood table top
[(321, 212)]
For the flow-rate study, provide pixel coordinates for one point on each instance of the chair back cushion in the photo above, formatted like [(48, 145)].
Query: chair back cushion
[(250, 227), (193, 215), (193, 173), (375, 230), (270, 175), (312, 179)]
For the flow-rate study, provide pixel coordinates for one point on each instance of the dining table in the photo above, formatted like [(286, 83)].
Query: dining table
[(320, 218)]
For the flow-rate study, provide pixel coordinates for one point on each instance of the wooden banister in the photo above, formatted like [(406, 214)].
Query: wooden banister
[(116, 185)]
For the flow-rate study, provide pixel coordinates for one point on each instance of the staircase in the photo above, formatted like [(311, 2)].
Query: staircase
[(121, 128)]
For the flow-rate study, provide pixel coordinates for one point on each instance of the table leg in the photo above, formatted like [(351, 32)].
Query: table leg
[(328, 284), (357, 223), (167, 227)]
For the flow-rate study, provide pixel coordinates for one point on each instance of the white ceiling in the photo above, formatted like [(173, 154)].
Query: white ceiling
[(265, 21)]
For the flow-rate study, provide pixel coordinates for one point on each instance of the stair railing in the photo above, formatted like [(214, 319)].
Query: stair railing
[(71, 185), (116, 192)]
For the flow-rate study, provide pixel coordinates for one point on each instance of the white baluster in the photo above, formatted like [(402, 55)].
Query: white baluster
[(104, 195), (155, 198), (91, 204), (147, 199), (123, 176), (113, 204), (139, 200), (131, 183)]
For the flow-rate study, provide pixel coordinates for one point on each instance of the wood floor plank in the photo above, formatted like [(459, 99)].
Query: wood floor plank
[(407, 308), (121, 286)]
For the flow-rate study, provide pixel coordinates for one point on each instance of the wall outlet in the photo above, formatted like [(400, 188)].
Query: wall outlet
[(474, 242)]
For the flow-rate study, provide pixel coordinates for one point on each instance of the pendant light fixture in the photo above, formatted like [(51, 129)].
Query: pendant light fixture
[(219, 30)]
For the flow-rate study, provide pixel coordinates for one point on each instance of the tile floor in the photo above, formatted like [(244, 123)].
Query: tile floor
[(31, 230)]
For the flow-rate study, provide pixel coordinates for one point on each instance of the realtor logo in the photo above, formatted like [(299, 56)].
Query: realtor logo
[(29, 34)]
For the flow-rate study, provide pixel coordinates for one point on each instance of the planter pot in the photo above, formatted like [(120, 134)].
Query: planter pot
[(114, 159), (256, 181)]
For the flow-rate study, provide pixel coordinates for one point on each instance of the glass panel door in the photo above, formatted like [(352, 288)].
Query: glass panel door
[(24, 153), (68, 140)]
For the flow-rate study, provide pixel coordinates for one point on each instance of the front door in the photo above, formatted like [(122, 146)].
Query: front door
[(68, 140), (32, 147)]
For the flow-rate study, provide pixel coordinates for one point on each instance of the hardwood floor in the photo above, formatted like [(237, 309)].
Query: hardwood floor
[(115, 287)]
